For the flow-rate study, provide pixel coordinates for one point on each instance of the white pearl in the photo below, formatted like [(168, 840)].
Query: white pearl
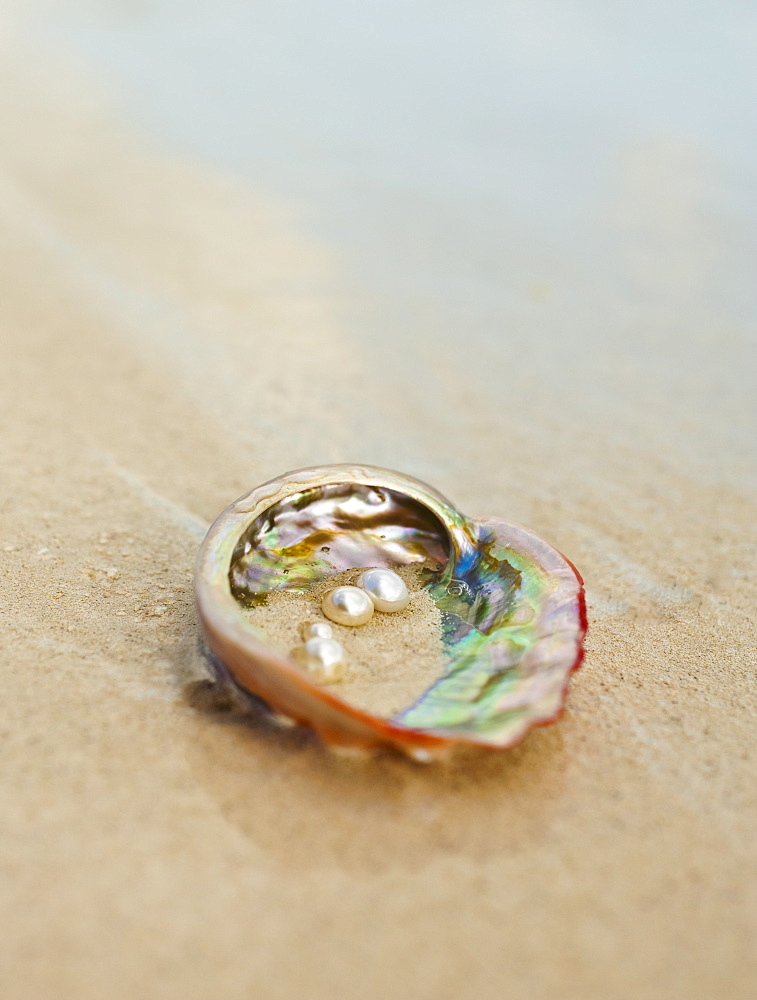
[(322, 658), (316, 630), (348, 606), (386, 589)]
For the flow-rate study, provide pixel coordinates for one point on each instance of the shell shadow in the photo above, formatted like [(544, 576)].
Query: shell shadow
[(306, 807)]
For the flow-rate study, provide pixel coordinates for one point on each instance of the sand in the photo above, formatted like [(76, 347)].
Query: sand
[(392, 659), (155, 845)]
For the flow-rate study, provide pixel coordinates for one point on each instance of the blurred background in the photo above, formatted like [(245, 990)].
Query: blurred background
[(548, 207), (506, 247)]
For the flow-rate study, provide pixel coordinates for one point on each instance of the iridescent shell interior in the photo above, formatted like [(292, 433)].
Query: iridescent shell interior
[(327, 529), (511, 606)]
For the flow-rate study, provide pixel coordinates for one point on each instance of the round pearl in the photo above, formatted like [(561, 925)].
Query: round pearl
[(386, 589), (348, 606), (322, 658), (316, 630)]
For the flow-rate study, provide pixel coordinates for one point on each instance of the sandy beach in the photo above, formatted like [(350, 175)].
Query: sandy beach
[(176, 328)]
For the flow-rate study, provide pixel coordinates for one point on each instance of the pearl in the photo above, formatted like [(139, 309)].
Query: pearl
[(316, 630), (348, 606), (322, 658), (386, 589)]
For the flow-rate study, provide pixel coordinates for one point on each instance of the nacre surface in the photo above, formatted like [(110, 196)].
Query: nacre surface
[(512, 607)]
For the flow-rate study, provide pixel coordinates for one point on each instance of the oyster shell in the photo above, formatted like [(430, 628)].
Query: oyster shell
[(512, 607)]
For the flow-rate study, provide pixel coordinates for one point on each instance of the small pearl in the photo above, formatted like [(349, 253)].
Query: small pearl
[(386, 589), (316, 630), (348, 606), (322, 658)]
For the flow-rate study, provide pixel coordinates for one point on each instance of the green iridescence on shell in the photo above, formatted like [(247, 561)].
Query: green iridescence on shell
[(511, 607), (506, 647)]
